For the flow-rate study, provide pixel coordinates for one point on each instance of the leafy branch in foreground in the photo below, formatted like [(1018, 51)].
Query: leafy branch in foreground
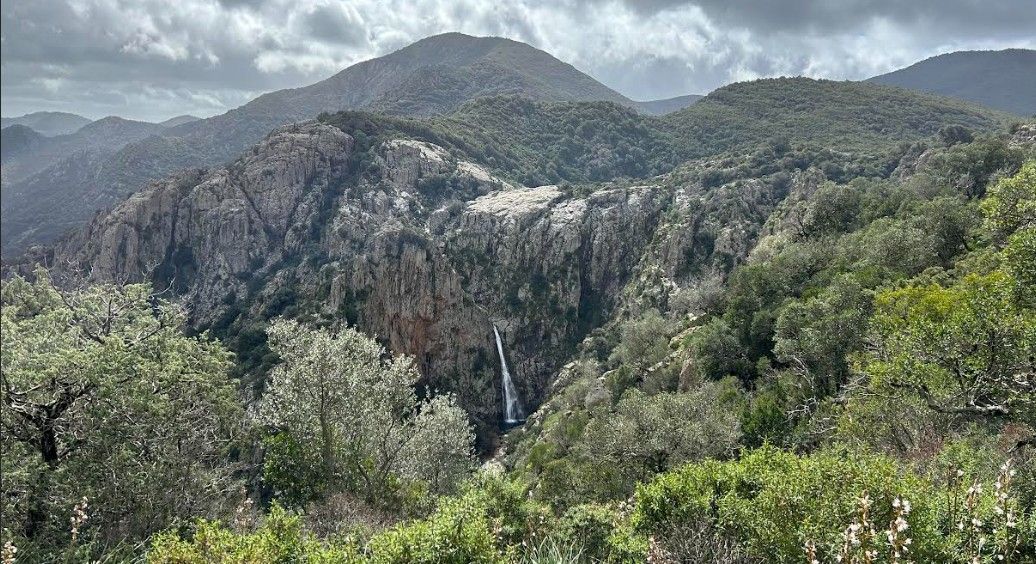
[(106, 399)]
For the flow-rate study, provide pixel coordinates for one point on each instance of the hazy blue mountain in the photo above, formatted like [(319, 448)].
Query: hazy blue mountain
[(48, 123), (104, 136), (1005, 80), (667, 105), (18, 139), (178, 120)]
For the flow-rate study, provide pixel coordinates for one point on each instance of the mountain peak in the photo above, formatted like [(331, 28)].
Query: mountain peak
[(179, 120), (439, 73)]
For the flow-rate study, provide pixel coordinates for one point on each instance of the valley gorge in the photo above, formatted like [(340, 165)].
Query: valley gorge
[(425, 250), (463, 303)]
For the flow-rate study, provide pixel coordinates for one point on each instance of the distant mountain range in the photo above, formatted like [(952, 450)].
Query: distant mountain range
[(432, 76), (27, 152), (1005, 80), (53, 124), (48, 123), (52, 184)]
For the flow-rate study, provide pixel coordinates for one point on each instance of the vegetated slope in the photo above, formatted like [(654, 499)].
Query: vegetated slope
[(48, 123), (846, 116), (431, 76), (548, 142), (542, 143), (1005, 80), (18, 139), (783, 346), (667, 105)]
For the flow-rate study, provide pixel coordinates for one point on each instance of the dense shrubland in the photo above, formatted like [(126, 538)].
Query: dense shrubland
[(538, 143), (860, 388), (883, 324)]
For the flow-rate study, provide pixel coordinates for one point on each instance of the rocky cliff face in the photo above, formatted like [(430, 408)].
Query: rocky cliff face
[(548, 267), (422, 249)]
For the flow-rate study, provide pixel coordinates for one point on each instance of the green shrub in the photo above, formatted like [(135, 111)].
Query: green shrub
[(589, 526), (773, 501), (280, 538), (458, 532), (293, 471)]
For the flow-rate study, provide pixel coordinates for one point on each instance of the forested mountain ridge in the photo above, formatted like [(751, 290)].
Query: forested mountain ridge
[(997, 79), (843, 115)]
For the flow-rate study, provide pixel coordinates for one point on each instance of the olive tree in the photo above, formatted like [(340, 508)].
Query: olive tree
[(338, 395), (106, 398), (645, 434)]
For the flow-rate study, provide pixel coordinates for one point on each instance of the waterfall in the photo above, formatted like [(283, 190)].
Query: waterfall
[(512, 406)]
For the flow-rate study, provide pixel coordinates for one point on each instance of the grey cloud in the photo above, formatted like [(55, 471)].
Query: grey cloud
[(333, 24), (977, 17)]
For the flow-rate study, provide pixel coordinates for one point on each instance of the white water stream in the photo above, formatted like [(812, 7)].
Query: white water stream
[(513, 412)]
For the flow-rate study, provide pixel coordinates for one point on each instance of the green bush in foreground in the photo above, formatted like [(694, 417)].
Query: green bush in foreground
[(768, 506), (280, 538), (783, 507), (459, 532)]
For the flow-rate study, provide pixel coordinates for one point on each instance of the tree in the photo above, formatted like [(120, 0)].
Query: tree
[(967, 350), (970, 349), (954, 134), (715, 352), (649, 434), (336, 394), (1011, 203), (105, 398), (813, 337), (643, 342)]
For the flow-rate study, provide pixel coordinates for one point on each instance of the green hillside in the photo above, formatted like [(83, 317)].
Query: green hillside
[(547, 142), (847, 116)]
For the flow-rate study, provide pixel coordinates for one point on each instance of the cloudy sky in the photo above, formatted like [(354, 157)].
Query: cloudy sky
[(153, 59)]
